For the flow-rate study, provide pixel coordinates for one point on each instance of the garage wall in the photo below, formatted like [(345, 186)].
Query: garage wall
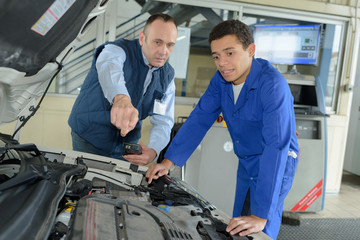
[(337, 133), (48, 127)]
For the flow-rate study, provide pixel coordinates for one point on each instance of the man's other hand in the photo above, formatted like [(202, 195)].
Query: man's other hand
[(123, 115), (157, 170), (246, 225), (146, 157)]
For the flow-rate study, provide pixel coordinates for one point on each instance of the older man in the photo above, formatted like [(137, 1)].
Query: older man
[(128, 81)]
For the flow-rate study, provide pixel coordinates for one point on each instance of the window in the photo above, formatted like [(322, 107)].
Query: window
[(200, 17)]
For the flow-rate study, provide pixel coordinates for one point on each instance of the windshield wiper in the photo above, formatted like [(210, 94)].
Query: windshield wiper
[(31, 172), (21, 147)]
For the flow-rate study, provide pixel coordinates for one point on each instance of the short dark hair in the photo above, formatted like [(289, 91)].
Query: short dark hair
[(232, 27), (162, 16)]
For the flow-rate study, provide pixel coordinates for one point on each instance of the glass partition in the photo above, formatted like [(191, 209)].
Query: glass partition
[(324, 45)]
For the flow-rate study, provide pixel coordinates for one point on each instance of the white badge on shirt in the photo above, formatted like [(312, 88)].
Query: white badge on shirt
[(159, 107)]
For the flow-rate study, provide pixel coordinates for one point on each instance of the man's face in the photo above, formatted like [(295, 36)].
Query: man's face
[(158, 41), (231, 59)]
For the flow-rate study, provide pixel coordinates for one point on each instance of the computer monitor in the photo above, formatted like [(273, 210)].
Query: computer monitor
[(304, 95), (288, 44)]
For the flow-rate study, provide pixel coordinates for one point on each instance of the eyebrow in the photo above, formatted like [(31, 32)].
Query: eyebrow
[(159, 39), (225, 49)]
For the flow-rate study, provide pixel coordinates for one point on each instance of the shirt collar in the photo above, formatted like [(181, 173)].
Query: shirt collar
[(251, 79)]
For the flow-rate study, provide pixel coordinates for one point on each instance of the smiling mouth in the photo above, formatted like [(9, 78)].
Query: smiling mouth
[(226, 72)]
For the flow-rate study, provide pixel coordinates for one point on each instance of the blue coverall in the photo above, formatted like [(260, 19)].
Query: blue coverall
[(262, 127)]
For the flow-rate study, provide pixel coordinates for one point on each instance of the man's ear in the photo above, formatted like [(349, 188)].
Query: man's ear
[(141, 38), (251, 49)]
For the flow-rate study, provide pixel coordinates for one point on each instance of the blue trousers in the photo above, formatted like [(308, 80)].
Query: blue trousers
[(272, 226)]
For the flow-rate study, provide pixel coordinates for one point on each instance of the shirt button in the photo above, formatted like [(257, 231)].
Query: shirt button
[(237, 141), (251, 178), (234, 114)]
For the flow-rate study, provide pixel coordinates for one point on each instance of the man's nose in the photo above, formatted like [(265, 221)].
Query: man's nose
[(164, 50), (222, 62)]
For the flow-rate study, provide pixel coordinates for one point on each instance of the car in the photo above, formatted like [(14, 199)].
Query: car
[(48, 193)]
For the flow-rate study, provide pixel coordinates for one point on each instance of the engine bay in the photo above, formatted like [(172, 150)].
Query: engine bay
[(58, 195)]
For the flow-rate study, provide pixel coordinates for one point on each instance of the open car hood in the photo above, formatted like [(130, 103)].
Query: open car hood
[(36, 38), (51, 194)]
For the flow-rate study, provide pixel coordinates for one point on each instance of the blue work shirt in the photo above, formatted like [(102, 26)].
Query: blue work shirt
[(262, 127)]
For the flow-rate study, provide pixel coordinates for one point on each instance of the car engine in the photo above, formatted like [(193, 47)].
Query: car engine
[(57, 195)]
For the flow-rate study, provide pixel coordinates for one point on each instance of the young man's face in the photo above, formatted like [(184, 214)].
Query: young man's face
[(158, 41), (231, 59)]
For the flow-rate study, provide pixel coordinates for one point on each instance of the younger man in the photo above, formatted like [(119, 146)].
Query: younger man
[(257, 106)]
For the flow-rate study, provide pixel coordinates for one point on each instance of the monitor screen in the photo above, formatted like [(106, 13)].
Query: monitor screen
[(304, 95), (287, 44)]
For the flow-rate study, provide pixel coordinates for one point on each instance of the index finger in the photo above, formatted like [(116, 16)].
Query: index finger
[(129, 123), (151, 174), (133, 119), (151, 177), (124, 131)]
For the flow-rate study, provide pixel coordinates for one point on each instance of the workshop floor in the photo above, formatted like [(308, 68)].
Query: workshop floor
[(340, 218), (344, 204)]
